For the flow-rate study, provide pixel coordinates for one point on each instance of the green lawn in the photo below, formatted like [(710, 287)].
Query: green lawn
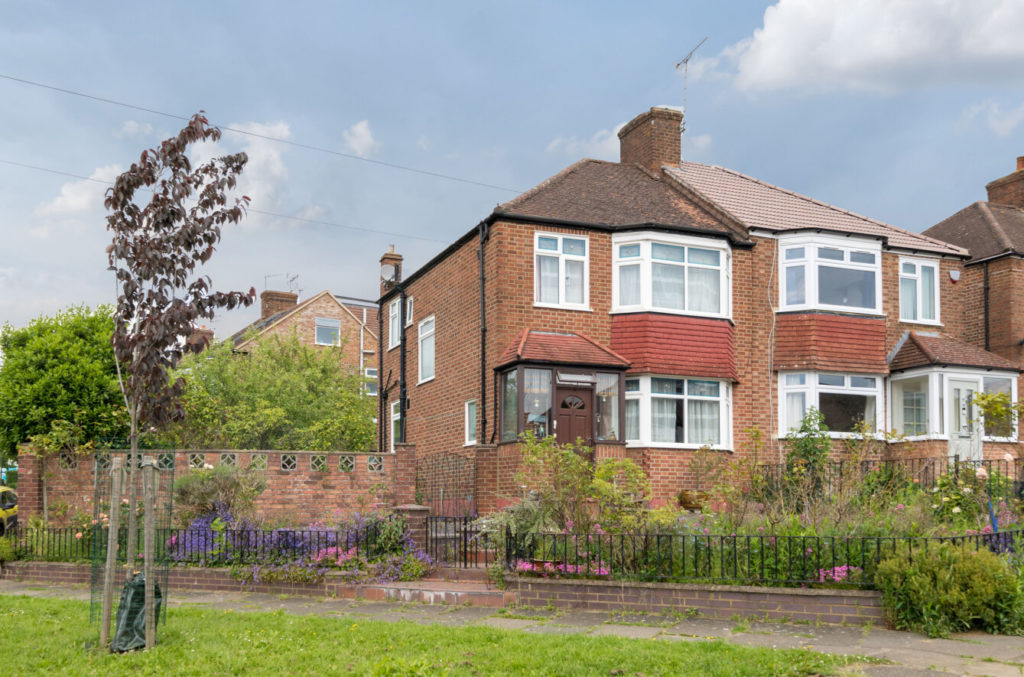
[(47, 636)]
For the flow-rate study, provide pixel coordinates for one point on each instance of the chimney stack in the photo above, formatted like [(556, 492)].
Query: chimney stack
[(651, 139), (273, 302), (1009, 190), (390, 269), (201, 338)]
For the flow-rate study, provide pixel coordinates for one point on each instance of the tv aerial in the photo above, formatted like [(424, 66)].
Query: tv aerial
[(684, 65)]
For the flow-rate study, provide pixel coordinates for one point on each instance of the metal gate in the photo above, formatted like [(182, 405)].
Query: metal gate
[(456, 542), (446, 482)]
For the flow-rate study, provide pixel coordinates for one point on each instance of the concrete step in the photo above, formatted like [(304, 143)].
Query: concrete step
[(427, 591)]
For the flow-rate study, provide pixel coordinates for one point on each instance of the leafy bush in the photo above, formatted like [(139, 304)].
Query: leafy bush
[(220, 489), (952, 589), (7, 553)]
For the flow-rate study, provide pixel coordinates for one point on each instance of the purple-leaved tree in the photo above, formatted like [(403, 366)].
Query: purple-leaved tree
[(160, 238)]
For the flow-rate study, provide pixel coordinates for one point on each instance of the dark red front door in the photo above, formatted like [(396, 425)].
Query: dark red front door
[(572, 415)]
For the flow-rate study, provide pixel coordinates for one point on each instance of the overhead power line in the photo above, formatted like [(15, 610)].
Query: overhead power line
[(267, 137), (249, 210)]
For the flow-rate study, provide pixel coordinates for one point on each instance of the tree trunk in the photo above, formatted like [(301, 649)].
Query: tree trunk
[(133, 465)]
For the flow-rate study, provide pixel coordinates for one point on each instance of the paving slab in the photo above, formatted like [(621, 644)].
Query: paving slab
[(630, 631), (507, 623)]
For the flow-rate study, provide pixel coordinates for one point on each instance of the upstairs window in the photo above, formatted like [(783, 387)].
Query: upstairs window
[(408, 312), (328, 332), (371, 381), (470, 427), (671, 274), (831, 274), (394, 323), (426, 354), (919, 293), (561, 271)]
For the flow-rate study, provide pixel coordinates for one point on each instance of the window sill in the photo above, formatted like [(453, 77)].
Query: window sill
[(426, 380), (879, 434), (558, 306), (390, 348), (469, 444), (328, 345), (665, 311), (673, 446), (829, 309), (927, 323)]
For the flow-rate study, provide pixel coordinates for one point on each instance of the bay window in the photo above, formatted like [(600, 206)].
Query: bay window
[(672, 274), (561, 271), (830, 273), (665, 411), (919, 293), (938, 403), (568, 402), (844, 400)]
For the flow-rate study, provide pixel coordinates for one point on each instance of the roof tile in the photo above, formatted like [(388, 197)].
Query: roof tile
[(556, 348)]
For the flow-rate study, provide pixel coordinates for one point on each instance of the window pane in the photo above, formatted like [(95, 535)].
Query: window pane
[(842, 411), (909, 268), (427, 357), (667, 252), (667, 286), (574, 282), (632, 385), (796, 379), (537, 401), (607, 406), (794, 253), (908, 299), (704, 421), (862, 382), (862, 257), (707, 257), (831, 379), (910, 406), (471, 421), (629, 251), (927, 293), (667, 386), (703, 388), (549, 243), (632, 420), (795, 295), (509, 408), (846, 287), (574, 246), (327, 336), (796, 405), (832, 254), (629, 285), (998, 426), (704, 292), (427, 326), (667, 420), (547, 279)]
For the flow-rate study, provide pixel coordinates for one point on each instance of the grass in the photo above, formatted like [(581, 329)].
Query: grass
[(51, 636)]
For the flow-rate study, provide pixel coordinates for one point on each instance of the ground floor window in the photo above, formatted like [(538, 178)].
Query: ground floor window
[(846, 401), (671, 411), (396, 423), (939, 403)]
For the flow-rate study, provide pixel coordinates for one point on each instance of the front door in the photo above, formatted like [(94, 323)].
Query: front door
[(964, 437), (572, 415)]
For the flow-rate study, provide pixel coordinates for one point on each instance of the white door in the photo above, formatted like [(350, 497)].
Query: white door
[(964, 427)]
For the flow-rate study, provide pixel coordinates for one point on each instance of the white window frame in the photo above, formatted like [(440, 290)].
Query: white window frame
[(812, 389), (938, 399), (919, 290), (470, 423), (811, 261), (645, 260), (327, 323), (408, 311), (427, 330), (562, 258), (371, 387), (396, 417), (394, 324), (644, 395)]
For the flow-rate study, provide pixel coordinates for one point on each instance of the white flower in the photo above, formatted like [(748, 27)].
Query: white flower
[(935, 506), (967, 490), (981, 474), (207, 466), (934, 489), (1009, 457), (955, 510)]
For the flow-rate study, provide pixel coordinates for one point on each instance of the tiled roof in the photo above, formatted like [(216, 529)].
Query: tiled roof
[(921, 350), (985, 228), (827, 342), (259, 325), (758, 204), (551, 347), (675, 345), (613, 194)]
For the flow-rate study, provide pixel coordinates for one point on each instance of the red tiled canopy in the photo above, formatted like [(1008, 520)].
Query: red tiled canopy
[(555, 348), (921, 350)]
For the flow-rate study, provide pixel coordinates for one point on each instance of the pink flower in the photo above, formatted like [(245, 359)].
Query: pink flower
[(95, 522), (899, 507), (981, 473), (79, 534), (706, 530)]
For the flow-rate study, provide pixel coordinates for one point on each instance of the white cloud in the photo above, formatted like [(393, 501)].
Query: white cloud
[(698, 143), (999, 122), (876, 45), (77, 200), (359, 139), (603, 145), (132, 130)]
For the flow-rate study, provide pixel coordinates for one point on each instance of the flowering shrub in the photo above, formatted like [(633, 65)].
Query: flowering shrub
[(556, 569), (845, 573)]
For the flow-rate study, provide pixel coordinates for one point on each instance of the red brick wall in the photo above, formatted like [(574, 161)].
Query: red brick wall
[(652, 139), (1009, 190)]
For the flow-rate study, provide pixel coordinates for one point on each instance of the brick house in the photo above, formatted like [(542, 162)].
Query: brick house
[(326, 321), (653, 306)]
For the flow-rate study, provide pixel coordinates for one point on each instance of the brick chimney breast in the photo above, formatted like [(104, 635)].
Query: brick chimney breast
[(273, 302), (651, 139), (1009, 190)]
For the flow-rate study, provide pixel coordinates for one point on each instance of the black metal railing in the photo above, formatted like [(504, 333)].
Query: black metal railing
[(751, 560), (456, 542)]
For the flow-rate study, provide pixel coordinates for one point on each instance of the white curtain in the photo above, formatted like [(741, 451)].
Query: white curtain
[(574, 282), (632, 419), (629, 285), (547, 279), (664, 420), (704, 420), (908, 298), (704, 290), (796, 404), (668, 284)]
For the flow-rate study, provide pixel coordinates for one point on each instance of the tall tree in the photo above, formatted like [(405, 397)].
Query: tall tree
[(59, 368), (160, 238)]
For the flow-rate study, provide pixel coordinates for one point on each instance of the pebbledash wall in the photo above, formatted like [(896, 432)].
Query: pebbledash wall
[(302, 486)]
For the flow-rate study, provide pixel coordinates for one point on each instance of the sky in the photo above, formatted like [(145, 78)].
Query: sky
[(406, 123)]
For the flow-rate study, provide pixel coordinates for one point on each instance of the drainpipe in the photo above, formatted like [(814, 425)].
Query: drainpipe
[(381, 393), (402, 386), (986, 306), (484, 235)]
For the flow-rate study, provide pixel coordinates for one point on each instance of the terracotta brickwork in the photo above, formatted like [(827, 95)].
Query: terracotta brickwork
[(651, 342), (827, 342), (1008, 190), (652, 139)]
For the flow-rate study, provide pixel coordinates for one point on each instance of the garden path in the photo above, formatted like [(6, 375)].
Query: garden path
[(909, 654)]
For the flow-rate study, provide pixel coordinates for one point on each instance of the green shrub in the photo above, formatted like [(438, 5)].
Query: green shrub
[(7, 553), (952, 589), (209, 490)]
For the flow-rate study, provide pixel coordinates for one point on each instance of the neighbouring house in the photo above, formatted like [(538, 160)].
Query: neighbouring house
[(327, 321), (652, 307)]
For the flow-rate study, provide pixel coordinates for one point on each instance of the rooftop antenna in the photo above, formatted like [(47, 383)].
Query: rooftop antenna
[(684, 66), (292, 281)]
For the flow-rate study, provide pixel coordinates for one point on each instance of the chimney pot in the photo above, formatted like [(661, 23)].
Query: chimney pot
[(1020, 163)]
